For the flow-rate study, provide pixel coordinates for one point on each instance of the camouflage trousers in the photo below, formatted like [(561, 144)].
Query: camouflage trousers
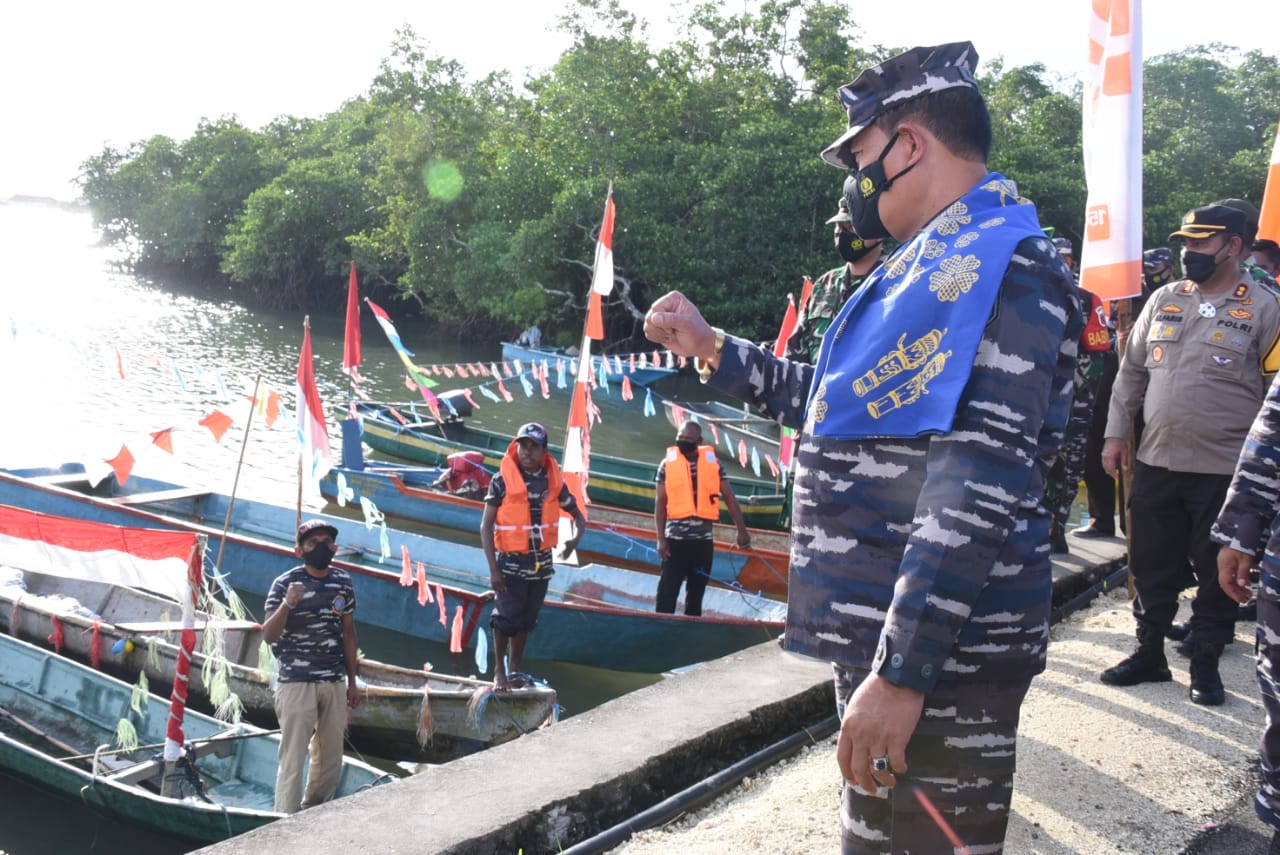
[(1267, 803), (1063, 481), (960, 760)]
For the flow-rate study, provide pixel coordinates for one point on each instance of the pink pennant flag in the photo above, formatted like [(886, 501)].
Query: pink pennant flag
[(542, 380), (424, 590), (446, 371), (715, 434), (455, 632), (773, 467), (406, 572), (505, 394), (681, 361), (409, 384), (444, 621), (657, 358), (742, 453), (626, 388), (631, 363), (506, 369), (466, 393), (119, 363)]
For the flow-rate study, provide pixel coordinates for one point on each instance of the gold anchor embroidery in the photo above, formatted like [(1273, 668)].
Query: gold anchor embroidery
[(910, 391), (898, 360)]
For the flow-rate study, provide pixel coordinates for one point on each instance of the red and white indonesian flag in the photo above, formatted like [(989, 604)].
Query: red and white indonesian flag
[(151, 559), (602, 276), (1269, 221), (167, 562), (1111, 257), (313, 436)]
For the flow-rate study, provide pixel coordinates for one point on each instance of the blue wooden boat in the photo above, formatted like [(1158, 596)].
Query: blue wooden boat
[(642, 375), (58, 722), (613, 536), (594, 615)]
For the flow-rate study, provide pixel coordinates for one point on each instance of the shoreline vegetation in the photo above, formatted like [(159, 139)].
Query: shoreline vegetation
[(475, 204)]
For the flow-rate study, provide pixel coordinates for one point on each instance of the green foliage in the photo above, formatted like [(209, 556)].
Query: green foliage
[(478, 202)]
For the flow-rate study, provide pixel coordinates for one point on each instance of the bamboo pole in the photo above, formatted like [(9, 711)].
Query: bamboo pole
[(235, 483)]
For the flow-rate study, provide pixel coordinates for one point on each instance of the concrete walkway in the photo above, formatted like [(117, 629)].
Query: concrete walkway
[(1100, 769)]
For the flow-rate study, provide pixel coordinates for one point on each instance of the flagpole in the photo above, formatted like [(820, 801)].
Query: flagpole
[(235, 483), (306, 327)]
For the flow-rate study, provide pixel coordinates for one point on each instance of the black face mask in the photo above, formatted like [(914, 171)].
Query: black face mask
[(862, 191), (1199, 266), (686, 446), (319, 556), (851, 247)]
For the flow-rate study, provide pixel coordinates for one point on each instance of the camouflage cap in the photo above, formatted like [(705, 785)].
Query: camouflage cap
[(919, 71)]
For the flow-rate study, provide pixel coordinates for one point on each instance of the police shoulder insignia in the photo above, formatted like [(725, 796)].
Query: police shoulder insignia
[(1240, 291)]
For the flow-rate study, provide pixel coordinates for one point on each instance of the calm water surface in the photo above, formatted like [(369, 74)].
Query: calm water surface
[(72, 326)]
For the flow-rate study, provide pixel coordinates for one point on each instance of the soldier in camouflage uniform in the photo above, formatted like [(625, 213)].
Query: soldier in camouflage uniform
[(928, 424), (1068, 469), (1244, 528), (833, 288)]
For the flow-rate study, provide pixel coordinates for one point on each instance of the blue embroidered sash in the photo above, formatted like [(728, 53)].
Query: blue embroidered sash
[(896, 359)]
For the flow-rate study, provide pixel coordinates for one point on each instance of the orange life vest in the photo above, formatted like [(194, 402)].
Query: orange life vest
[(681, 503), (513, 520), (466, 466)]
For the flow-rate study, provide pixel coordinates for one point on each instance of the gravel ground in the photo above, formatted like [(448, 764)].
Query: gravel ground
[(1100, 770)]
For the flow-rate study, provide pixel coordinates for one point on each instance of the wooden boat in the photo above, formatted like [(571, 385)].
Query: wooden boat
[(58, 723), (99, 619), (641, 374), (615, 481), (738, 421), (594, 615), (613, 536)]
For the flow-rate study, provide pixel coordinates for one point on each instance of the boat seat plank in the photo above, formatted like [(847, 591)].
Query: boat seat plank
[(161, 496), (147, 626), (60, 479), (138, 772)]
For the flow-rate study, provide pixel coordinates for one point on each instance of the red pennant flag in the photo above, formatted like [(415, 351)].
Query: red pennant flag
[(396, 413), (119, 363), (715, 434), (440, 603), (163, 439), (446, 371), (788, 327), (406, 571), (217, 422), (505, 394), (424, 590), (351, 341), (805, 293), (312, 431), (122, 465), (58, 636), (273, 407), (773, 467), (602, 272), (95, 645), (409, 384), (626, 388), (455, 633), (542, 380), (506, 369), (742, 453), (631, 363)]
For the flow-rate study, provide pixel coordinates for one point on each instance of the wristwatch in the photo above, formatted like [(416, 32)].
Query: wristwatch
[(705, 369)]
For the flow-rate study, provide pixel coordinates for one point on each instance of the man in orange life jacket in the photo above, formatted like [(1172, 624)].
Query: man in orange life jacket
[(691, 482), (518, 532), (464, 475)]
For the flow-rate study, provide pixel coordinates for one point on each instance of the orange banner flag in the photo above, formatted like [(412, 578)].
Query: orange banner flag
[(122, 464), (163, 439), (217, 422)]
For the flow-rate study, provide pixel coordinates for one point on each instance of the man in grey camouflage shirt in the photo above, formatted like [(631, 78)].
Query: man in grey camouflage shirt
[(920, 557)]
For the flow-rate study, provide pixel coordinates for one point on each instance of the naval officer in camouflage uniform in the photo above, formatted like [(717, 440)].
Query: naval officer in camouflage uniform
[(1199, 359), (834, 287), (1244, 528), (919, 560)]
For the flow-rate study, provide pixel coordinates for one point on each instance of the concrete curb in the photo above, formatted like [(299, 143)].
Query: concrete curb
[(550, 789)]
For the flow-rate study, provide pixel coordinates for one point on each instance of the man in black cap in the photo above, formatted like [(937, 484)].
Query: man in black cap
[(311, 628), (518, 532), (938, 399), (1199, 360)]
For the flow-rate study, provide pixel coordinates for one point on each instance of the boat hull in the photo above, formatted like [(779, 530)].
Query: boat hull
[(574, 627)]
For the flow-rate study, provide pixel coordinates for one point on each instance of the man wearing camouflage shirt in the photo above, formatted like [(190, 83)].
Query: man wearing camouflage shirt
[(919, 560), (1245, 529), (833, 288)]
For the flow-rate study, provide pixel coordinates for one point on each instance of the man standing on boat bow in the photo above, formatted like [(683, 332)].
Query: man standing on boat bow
[(519, 530), (311, 628)]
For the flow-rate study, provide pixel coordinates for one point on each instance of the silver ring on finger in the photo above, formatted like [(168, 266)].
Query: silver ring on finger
[(880, 764)]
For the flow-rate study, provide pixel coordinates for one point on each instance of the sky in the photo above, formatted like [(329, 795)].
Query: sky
[(79, 75)]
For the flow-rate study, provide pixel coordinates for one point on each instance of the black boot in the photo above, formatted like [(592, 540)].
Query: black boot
[(1146, 665), (1178, 632), (1058, 540), (1206, 683)]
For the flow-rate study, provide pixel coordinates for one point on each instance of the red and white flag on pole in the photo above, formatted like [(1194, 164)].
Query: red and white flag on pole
[(786, 444), (1111, 257), (1269, 221), (602, 275), (313, 436), (166, 562), (351, 341), (577, 445)]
